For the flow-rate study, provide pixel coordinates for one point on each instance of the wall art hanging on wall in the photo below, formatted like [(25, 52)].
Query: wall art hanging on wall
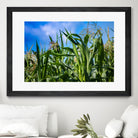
[(68, 51)]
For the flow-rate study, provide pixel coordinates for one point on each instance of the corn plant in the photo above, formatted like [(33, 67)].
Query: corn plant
[(84, 59)]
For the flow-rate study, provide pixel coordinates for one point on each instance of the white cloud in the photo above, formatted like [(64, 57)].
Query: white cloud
[(48, 29), (42, 32), (53, 28)]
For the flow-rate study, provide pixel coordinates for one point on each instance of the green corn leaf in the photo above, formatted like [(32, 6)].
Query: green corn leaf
[(79, 60), (56, 54), (71, 38), (67, 31), (100, 53), (86, 39), (38, 62), (62, 44), (79, 39), (69, 49), (50, 38), (46, 63), (56, 38)]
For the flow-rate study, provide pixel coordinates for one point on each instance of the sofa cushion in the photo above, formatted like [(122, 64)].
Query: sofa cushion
[(130, 118), (114, 128), (19, 127), (39, 113)]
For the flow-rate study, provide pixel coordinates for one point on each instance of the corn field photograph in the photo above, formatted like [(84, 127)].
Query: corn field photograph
[(68, 51)]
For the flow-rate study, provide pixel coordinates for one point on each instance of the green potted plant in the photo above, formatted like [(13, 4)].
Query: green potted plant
[(84, 127)]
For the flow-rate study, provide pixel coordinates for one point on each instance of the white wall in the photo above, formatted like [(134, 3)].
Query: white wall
[(101, 109)]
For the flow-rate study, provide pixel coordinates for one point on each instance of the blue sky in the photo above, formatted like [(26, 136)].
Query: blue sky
[(40, 31)]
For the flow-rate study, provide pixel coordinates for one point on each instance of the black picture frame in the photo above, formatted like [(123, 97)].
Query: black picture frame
[(127, 91)]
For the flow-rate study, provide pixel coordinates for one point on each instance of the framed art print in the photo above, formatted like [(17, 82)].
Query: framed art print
[(68, 51)]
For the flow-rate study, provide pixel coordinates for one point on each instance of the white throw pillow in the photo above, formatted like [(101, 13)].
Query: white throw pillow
[(130, 117), (19, 127), (39, 113), (113, 128)]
